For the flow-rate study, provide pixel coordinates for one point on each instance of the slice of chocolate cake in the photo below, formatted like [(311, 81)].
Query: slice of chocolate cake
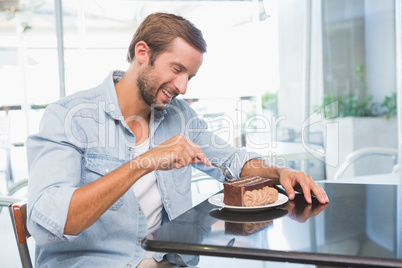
[(249, 192)]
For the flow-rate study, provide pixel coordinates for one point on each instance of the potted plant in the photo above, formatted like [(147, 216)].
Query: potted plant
[(355, 121)]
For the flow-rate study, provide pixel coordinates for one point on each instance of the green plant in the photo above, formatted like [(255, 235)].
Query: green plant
[(389, 105), (270, 101), (351, 105), (358, 103)]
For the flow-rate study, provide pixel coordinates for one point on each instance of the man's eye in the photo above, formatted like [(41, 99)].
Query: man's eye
[(176, 70)]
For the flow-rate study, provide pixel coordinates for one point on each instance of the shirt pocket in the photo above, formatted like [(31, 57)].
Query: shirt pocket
[(181, 178), (97, 166)]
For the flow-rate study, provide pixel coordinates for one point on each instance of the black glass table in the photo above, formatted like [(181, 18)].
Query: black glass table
[(360, 227)]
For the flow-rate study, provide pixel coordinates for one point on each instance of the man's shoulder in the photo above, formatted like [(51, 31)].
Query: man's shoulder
[(81, 97), (177, 106), (100, 93)]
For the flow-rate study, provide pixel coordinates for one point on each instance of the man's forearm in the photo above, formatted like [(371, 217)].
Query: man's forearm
[(259, 167), (90, 201)]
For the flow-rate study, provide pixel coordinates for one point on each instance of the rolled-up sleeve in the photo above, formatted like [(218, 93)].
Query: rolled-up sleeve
[(54, 174)]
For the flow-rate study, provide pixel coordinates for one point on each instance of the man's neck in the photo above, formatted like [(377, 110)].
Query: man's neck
[(135, 111), (130, 101)]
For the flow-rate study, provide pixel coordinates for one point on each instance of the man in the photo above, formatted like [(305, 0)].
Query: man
[(113, 163)]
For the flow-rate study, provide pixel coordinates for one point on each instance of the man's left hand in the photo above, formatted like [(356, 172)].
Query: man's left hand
[(292, 180)]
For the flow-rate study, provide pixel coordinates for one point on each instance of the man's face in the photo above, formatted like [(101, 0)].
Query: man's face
[(169, 76)]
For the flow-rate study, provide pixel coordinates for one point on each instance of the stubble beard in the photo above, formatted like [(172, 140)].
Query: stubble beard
[(148, 90)]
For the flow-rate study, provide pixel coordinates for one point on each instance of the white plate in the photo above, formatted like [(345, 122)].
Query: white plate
[(217, 200)]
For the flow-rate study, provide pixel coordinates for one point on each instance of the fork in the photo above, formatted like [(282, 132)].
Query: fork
[(226, 172)]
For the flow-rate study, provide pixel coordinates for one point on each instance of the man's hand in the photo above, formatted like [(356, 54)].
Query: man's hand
[(292, 180), (176, 152)]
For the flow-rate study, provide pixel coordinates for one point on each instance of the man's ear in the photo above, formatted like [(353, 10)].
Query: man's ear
[(142, 52)]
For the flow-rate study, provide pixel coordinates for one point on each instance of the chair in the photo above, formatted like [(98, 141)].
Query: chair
[(18, 213), (6, 201), (352, 157), (15, 187)]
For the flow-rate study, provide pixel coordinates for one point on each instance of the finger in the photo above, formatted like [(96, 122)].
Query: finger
[(201, 157), (289, 189), (188, 152), (183, 155), (199, 154), (178, 164), (179, 159), (192, 153), (320, 194), (195, 156), (303, 180), (324, 194)]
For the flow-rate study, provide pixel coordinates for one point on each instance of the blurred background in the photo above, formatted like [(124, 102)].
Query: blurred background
[(310, 84)]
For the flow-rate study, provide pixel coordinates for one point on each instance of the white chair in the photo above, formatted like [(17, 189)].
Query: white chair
[(367, 151)]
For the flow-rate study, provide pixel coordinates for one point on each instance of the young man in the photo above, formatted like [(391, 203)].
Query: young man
[(112, 163)]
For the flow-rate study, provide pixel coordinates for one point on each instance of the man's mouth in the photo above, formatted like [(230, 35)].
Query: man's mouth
[(170, 96)]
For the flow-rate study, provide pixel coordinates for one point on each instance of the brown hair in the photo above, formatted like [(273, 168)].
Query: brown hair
[(158, 30)]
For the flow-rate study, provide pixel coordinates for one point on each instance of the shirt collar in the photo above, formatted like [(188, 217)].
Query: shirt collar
[(109, 91), (113, 108)]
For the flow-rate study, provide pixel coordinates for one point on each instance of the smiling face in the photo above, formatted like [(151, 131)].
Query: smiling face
[(169, 75)]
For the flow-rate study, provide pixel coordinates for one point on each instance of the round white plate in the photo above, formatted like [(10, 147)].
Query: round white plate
[(217, 200)]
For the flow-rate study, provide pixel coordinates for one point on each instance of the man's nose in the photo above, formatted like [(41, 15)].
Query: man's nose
[(181, 84)]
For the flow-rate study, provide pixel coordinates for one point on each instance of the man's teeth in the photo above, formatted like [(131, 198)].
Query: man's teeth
[(167, 94)]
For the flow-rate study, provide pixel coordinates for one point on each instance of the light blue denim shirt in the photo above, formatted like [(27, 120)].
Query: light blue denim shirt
[(83, 137)]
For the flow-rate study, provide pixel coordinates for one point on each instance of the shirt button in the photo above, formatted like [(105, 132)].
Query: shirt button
[(130, 148), (128, 265), (107, 170), (166, 201)]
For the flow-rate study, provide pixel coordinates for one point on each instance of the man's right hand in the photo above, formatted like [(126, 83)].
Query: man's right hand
[(176, 152)]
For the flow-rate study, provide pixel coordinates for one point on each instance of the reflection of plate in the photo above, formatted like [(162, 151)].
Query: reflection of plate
[(217, 200), (241, 217)]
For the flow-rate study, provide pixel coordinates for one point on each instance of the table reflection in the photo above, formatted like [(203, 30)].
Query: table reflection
[(359, 227)]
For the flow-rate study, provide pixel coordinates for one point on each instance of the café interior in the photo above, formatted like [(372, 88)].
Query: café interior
[(315, 85)]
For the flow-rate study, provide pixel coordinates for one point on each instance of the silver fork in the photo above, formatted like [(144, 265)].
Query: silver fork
[(226, 172)]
